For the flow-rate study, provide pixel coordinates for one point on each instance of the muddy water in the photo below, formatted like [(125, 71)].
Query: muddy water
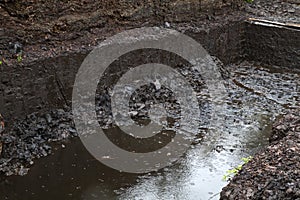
[(256, 96)]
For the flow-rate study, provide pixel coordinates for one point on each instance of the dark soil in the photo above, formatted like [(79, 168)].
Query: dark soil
[(40, 30), (273, 173), (48, 29)]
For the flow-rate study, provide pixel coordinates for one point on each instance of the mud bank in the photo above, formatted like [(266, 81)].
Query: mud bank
[(273, 173)]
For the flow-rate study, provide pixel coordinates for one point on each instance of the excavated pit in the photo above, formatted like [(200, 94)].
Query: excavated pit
[(260, 62)]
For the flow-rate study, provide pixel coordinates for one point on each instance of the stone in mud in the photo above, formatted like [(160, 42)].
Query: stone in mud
[(15, 48)]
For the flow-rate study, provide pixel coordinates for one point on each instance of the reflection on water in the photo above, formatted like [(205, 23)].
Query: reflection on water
[(256, 96)]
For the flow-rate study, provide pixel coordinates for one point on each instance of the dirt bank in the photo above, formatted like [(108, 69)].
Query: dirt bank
[(274, 173), (47, 29)]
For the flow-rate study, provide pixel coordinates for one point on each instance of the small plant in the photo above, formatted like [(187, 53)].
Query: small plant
[(1, 62), (19, 58), (230, 173), (249, 1)]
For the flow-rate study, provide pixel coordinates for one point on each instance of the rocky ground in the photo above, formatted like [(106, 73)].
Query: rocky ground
[(274, 173)]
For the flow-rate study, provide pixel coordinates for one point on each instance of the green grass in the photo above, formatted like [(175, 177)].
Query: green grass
[(230, 173), (19, 58)]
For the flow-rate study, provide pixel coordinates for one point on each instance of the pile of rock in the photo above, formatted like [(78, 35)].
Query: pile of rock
[(30, 138)]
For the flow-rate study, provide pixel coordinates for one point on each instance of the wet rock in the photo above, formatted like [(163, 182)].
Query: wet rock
[(48, 118), (15, 48), (30, 138), (23, 171), (291, 10)]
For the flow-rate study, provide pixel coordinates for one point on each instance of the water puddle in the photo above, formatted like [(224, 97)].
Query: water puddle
[(256, 96)]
